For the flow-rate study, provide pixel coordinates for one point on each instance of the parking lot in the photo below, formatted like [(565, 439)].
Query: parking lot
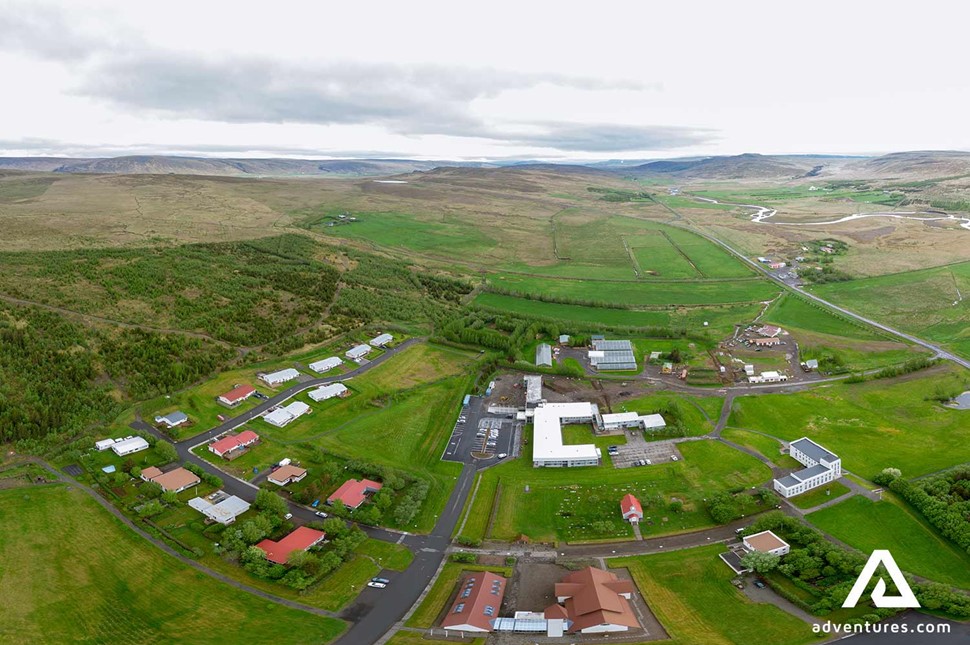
[(653, 452), (477, 437)]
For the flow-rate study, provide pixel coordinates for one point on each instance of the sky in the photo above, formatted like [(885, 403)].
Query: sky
[(462, 80)]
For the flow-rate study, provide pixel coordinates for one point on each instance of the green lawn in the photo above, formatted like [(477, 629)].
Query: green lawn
[(872, 425), (691, 415), (386, 554), (916, 547), (767, 446), (581, 504), (73, 573), (690, 592), (434, 603), (820, 495)]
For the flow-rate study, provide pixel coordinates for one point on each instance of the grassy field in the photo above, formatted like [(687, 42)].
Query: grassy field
[(792, 311), (73, 573), (819, 495), (434, 603), (872, 425), (767, 446), (690, 592), (931, 303), (692, 409), (916, 547), (579, 504)]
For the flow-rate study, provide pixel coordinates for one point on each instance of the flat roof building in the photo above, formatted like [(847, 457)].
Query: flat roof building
[(222, 508), (281, 376), (325, 392), (358, 352), (129, 445), (766, 542), (287, 414), (325, 365), (477, 605), (548, 449)]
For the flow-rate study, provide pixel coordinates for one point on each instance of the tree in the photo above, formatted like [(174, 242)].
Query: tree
[(166, 451), (269, 502), (760, 561), (170, 497)]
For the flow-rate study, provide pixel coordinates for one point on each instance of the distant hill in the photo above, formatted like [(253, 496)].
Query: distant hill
[(919, 163), (745, 166), (162, 164)]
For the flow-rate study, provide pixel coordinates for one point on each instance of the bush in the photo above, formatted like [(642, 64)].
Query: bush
[(463, 557)]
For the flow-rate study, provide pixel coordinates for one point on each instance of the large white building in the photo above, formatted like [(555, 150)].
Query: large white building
[(822, 466), (548, 449), (129, 445), (768, 377), (286, 414), (325, 365), (325, 392), (282, 376)]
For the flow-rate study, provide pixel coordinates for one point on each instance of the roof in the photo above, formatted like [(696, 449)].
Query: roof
[(381, 339), (813, 450), (613, 345), (630, 503), (325, 364), (328, 391), (788, 481), (223, 511), (353, 492), (130, 444), (769, 330), (770, 374), (285, 473), (238, 393), (229, 443), (592, 597), (547, 432), (811, 471), (282, 416), (533, 388), (765, 541), (173, 418), (151, 472), (359, 350), (177, 479), (479, 600), (812, 363), (300, 539), (733, 560), (543, 354), (282, 375), (621, 417), (650, 421)]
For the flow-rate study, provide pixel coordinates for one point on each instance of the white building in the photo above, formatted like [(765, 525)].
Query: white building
[(104, 444), (223, 511), (382, 340), (533, 390), (325, 392), (543, 355), (822, 466), (633, 420), (765, 542), (287, 414), (172, 419), (325, 365), (768, 377), (282, 376), (612, 355), (129, 445), (358, 352), (548, 449), (749, 370)]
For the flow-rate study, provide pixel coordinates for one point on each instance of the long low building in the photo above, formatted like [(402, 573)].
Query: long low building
[(768, 377), (620, 420), (325, 392), (381, 340), (358, 352), (548, 449), (821, 466), (325, 365), (612, 355), (174, 481), (533, 390), (281, 376), (476, 607), (220, 507), (232, 443), (237, 395), (287, 414), (129, 445)]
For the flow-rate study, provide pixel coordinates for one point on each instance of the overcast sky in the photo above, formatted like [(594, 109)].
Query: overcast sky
[(467, 80)]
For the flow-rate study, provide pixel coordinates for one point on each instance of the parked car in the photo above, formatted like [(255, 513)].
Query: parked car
[(322, 514), (376, 585), (502, 455), (759, 584), (383, 581), (673, 457), (288, 516)]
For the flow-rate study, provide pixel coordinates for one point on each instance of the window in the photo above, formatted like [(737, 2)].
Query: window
[(467, 592), (489, 610), (459, 607)]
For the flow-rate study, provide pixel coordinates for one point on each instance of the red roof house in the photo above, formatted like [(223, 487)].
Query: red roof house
[(594, 601), (631, 509), (237, 394), (353, 493), (300, 539), (477, 605), (233, 442)]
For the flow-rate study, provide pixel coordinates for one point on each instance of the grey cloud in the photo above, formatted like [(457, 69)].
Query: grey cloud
[(612, 138)]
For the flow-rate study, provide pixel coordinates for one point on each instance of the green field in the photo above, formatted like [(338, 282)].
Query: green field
[(691, 410), (793, 311), (434, 603), (932, 303), (916, 547), (690, 592), (580, 504), (73, 573), (871, 425), (820, 495), (766, 446)]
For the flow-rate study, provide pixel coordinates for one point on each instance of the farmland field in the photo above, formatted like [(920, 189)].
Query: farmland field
[(872, 425), (932, 303), (690, 592), (97, 581), (916, 547)]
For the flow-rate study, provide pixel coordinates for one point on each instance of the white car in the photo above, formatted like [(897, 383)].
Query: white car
[(673, 457), (376, 585), (502, 455), (288, 516)]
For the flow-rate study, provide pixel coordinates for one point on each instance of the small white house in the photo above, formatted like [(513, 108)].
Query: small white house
[(381, 340), (287, 414), (325, 392), (325, 365), (172, 419), (358, 352), (104, 444), (282, 376), (766, 542)]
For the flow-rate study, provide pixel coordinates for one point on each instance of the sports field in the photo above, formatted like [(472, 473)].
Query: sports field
[(73, 573), (872, 425), (933, 303), (916, 547), (690, 592)]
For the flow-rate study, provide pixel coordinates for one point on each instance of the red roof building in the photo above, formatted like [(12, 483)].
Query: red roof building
[(594, 601), (631, 509), (353, 493), (233, 442), (300, 539), (477, 605), (237, 394)]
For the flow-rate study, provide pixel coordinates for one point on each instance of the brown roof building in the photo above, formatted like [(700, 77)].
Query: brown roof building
[(173, 481), (594, 601), (477, 605), (286, 474)]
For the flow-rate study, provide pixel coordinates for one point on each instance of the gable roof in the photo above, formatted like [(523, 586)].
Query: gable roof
[(592, 597), (238, 393), (479, 601), (630, 503), (177, 479), (353, 492), (300, 539), (285, 473), (229, 443)]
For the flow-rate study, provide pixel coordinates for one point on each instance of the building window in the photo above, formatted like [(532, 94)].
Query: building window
[(459, 607)]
